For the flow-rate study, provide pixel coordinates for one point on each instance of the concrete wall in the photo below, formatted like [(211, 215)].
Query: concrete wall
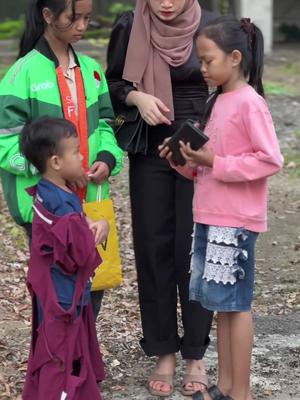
[(267, 14), (261, 12)]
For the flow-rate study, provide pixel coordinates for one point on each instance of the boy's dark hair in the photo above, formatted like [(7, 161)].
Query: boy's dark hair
[(35, 23), (41, 139), (231, 34)]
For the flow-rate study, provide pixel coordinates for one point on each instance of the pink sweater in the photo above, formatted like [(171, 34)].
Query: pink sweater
[(234, 192)]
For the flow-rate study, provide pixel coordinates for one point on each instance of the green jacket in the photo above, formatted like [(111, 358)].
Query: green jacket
[(30, 90)]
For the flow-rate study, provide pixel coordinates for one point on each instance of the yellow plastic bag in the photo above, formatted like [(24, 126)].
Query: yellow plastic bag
[(109, 273)]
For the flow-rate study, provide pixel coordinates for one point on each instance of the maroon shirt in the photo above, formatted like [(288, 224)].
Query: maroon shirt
[(63, 336)]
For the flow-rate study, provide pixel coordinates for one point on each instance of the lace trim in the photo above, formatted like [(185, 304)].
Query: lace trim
[(192, 249), (220, 273), (221, 264), (222, 235), (225, 255)]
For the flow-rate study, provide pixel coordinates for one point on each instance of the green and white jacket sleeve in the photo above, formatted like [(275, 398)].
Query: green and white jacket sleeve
[(14, 113)]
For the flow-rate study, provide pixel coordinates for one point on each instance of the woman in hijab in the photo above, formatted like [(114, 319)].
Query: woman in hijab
[(152, 65)]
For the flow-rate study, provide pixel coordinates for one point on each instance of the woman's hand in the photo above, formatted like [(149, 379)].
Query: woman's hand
[(100, 230), (99, 172), (150, 107), (203, 156)]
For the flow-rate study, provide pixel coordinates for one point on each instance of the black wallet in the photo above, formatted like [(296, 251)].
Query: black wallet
[(187, 133)]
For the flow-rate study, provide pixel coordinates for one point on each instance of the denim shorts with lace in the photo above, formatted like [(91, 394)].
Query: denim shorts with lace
[(222, 268)]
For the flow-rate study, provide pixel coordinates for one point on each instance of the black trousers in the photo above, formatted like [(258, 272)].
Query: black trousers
[(161, 202)]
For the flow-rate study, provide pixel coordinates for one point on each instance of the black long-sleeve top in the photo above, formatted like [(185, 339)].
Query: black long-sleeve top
[(189, 89)]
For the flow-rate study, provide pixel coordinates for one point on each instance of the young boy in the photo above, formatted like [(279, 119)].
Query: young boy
[(64, 359)]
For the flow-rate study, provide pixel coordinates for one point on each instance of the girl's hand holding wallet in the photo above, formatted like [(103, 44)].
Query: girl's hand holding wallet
[(187, 133)]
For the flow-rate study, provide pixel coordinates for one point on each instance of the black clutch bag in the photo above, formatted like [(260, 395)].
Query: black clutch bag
[(187, 133), (131, 132)]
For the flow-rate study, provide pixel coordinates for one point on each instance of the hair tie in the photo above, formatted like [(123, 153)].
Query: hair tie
[(248, 28)]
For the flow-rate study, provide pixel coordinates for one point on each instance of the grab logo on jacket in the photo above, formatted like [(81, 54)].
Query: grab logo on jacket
[(17, 162), (36, 87)]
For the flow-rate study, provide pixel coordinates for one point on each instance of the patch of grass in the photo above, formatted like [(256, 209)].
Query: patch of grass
[(118, 8), (291, 69), (103, 33), (11, 29), (292, 164), (297, 133), (99, 42), (277, 89)]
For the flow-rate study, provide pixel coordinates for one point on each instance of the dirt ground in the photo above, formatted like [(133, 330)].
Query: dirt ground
[(276, 356)]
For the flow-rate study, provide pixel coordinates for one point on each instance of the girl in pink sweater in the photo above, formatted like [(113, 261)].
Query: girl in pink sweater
[(230, 201)]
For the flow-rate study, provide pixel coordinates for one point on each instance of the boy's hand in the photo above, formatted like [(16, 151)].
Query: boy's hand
[(100, 230), (99, 172), (79, 182), (203, 156)]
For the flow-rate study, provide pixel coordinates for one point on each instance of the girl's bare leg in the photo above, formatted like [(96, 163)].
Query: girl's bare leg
[(224, 353), (241, 344)]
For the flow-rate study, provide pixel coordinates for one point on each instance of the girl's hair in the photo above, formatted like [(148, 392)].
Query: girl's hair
[(231, 34), (35, 23), (41, 139)]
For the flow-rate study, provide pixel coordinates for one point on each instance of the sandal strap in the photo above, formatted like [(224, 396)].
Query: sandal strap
[(195, 378), (198, 396), (215, 393)]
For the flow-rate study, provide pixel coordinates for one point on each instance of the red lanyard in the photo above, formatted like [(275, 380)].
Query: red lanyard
[(80, 120)]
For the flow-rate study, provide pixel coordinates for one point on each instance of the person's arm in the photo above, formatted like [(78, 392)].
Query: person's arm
[(110, 156), (186, 171), (15, 112), (265, 159), (123, 94), (100, 230), (116, 55)]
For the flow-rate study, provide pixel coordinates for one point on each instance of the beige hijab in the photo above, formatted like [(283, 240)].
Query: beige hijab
[(155, 45)]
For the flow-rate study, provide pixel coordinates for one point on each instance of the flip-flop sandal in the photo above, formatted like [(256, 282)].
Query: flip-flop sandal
[(215, 393), (169, 379), (227, 398), (198, 396), (193, 378)]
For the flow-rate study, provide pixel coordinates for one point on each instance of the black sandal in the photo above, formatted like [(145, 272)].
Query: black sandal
[(198, 396), (215, 393)]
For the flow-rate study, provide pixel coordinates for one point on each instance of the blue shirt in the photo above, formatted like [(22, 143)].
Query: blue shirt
[(61, 202), (57, 200)]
